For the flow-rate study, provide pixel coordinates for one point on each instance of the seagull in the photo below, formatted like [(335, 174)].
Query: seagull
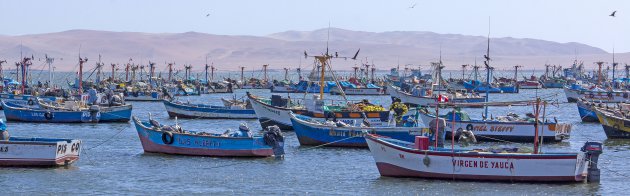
[(207, 15), (412, 6), (613, 14)]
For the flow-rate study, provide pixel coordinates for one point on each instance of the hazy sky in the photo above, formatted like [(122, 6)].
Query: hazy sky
[(555, 20)]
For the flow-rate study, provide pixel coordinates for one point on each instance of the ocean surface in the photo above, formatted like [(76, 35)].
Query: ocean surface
[(113, 162)]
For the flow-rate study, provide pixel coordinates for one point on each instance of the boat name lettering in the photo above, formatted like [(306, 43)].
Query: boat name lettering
[(207, 143), (37, 114), (484, 164), (61, 149), (497, 128), (347, 133), (4, 149), (273, 111)]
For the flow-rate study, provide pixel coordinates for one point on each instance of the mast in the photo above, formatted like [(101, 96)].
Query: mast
[(265, 72), (355, 71), (599, 72), (487, 63), (614, 64), (206, 71), (81, 61), (99, 66), (1, 72), (170, 72), (151, 70), (286, 74), (113, 72), (127, 72), (323, 60), (242, 76), (516, 72), (464, 71), (537, 113), (212, 72), (49, 61)]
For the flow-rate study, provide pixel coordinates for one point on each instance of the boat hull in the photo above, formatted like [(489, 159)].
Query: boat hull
[(587, 114), (38, 152), (358, 91), (200, 145), (311, 134), (269, 115), (614, 127), (106, 114), (181, 110), (497, 131), (425, 100), (596, 96), (401, 161)]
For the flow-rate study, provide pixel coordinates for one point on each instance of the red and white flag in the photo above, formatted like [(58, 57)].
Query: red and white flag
[(442, 98)]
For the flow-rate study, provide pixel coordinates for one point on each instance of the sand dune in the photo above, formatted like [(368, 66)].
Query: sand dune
[(285, 49)]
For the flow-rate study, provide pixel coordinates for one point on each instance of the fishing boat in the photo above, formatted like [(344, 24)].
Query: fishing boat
[(615, 120), (276, 111), (27, 100), (69, 112), (36, 152), (189, 110), (351, 89), (511, 127), (158, 138), (396, 158), (143, 96), (596, 94), (586, 111), (530, 83), (338, 134), (423, 97), (41, 152)]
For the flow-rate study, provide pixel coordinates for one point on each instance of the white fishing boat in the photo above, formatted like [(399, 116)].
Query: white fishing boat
[(427, 98), (396, 158)]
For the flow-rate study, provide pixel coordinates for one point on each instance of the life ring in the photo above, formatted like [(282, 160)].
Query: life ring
[(167, 137), (469, 127), (48, 115), (31, 102)]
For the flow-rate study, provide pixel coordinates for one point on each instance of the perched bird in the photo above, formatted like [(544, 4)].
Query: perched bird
[(412, 6), (613, 14)]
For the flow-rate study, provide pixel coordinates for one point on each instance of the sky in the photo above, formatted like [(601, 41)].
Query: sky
[(581, 21)]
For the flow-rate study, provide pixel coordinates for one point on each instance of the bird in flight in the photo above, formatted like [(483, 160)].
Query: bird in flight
[(412, 6), (207, 15), (613, 14)]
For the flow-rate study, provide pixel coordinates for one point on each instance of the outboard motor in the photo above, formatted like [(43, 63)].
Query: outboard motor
[(94, 110), (273, 137), (592, 151)]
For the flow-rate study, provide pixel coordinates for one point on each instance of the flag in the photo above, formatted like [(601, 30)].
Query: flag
[(442, 98)]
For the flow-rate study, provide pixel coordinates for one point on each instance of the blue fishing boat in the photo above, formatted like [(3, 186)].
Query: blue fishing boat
[(587, 112), (190, 110), (338, 134), (158, 138), (69, 113), (26, 100)]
